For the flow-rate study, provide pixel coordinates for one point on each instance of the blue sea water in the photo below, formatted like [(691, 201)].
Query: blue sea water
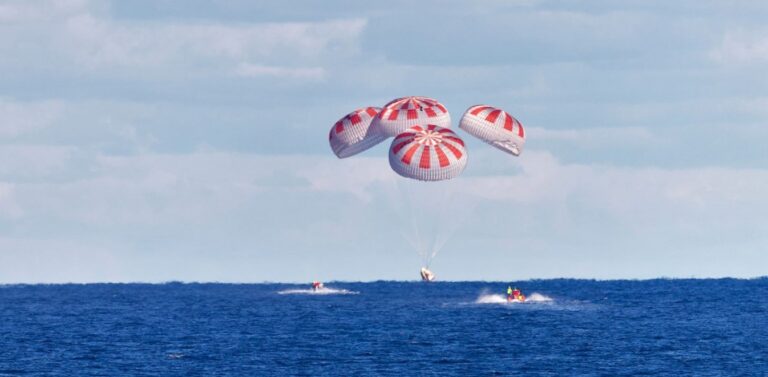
[(569, 328)]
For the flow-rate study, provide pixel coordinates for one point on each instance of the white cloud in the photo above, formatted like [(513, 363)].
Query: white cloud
[(742, 47), (34, 161), (253, 70), (8, 206), (627, 190), (243, 202), (18, 118), (104, 42), (591, 137), (355, 176), (18, 11), (82, 36), (26, 260), (644, 197)]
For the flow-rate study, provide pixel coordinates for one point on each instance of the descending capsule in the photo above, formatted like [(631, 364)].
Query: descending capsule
[(494, 126), (428, 153), (396, 116), (353, 133)]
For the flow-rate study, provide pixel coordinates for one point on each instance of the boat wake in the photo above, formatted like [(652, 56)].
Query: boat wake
[(321, 291), (538, 297), (501, 299)]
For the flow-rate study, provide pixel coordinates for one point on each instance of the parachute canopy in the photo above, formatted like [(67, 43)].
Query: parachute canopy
[(429, 153), (353, 134), (396, 116), (495, 127)]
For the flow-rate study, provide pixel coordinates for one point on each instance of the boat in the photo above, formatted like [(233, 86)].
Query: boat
[(516, 295)]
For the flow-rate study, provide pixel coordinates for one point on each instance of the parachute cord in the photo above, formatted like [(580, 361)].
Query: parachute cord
[(454, 215), (421, 248), (446, 227), (416, 240), (433, 215)]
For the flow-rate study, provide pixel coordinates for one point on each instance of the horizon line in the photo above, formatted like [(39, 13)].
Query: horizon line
[(265, 282)]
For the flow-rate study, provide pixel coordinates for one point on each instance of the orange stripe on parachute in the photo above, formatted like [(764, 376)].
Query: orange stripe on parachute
[(424, 162), (479, 109), (456, 151), (508, 122), (409, 154), (441, 157), (405, 134), (455, 139), (493, 116), (400, 146)]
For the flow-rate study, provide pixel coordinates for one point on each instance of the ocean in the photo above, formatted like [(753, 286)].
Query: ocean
[(663, 327)]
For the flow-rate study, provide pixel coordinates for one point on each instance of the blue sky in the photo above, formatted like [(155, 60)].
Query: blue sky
[(168, 140)]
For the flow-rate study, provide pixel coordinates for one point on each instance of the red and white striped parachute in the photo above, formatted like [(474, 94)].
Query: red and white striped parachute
[(425, 149), (402, 113), (495, 127), (429, 153), (353, 133)]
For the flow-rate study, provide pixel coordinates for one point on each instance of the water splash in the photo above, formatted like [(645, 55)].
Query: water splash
[(501, 299), (538, 297), (491, 299), (321, 291)]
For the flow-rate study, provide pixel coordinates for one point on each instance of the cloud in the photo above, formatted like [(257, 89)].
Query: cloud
[(252, 70), (742, 47), (591, 137), (83, 36), (19, 11), (17, 118), (30, 260), (162, 188), (8, 206), (25, 162), (100, 42), (272, 208), (628, 190)]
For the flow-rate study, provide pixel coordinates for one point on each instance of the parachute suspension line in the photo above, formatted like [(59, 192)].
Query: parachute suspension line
[(456, 209), (431, 202), (433, 216), (415, 234), (443, 229)]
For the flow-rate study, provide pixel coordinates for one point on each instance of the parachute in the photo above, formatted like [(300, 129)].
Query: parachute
[(425, 149), (429, 153), (353, 134), (400, 114), (495, 127)]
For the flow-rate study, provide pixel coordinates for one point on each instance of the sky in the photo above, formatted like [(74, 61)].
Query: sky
[(188, 140)]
